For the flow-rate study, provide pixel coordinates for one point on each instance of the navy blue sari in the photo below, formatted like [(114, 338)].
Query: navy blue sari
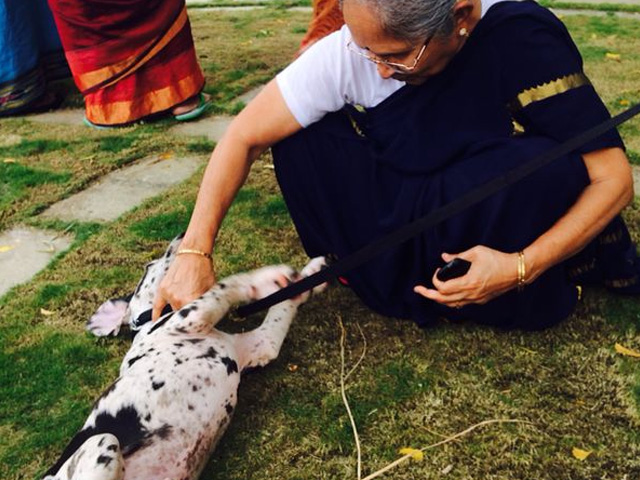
[(515, 90)]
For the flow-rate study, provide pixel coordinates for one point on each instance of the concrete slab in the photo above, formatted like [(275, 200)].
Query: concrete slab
[(9, 140), (594, 13), (250, 95), (211, 127), (120, 191), (57, 117), (24, 251)]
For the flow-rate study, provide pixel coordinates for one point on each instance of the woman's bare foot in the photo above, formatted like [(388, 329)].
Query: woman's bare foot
[(190, 104)]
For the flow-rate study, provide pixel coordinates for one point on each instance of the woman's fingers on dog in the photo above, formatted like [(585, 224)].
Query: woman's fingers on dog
[(158, 306)]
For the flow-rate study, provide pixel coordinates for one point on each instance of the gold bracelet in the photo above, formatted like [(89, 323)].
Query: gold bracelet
[(184, 251), (522, 271)]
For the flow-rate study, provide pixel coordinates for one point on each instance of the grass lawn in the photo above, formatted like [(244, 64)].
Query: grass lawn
[(413, 388)]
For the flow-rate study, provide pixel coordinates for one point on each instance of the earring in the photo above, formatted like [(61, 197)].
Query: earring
[(463, 32)]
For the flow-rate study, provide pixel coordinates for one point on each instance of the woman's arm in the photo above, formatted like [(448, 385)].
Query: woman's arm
[(265, 121), (493, 273)]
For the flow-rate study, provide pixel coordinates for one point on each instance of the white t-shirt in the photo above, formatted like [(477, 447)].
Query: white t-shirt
[(327, 76)]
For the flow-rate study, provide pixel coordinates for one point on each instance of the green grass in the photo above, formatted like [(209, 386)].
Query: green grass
[(603, 7), (33, 147), (413, 386), (164, 226), (16, 180)]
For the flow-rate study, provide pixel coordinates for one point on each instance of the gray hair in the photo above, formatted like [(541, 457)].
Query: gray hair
[(413, 20)]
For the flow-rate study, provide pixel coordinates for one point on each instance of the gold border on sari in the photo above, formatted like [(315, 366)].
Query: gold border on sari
[(548, 90), (118, 113)]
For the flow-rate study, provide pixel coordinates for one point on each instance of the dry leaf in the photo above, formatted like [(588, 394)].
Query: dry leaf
[(417, 455), (9, 160), (580, 454), (613, 56), (292, 367), (624, 103), (166, 155), (47, 313), (626, 351), (6, 248), (446, 469)]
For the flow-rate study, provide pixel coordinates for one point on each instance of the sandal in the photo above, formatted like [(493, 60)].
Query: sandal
[(89, 123), (203, 105)]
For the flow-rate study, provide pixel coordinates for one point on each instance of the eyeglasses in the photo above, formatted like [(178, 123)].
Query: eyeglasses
[(396, 67)]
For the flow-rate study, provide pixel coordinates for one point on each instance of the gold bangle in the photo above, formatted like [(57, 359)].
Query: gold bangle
[(522, 271), (184, 251)]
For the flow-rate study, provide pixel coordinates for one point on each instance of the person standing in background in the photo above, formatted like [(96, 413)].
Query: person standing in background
[(31, 57), (327, 18), (131, 59)]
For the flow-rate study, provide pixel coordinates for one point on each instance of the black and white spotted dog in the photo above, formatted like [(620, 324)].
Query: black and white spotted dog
[(177, 388)]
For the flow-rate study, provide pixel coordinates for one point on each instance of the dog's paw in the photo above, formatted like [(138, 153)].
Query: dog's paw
[(265, 281), (108, 318), (98, 458), (314, 266)]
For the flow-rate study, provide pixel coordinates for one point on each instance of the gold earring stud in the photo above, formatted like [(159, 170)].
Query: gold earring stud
[(463, 32)]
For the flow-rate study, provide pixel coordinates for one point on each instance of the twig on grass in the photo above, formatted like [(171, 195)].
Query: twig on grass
[(442, 442), (356, 437), (344, 398)]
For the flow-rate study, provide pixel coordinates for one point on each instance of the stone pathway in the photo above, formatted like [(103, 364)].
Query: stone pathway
[(212, 127), (60, 117), (24, 251), (122, 190)]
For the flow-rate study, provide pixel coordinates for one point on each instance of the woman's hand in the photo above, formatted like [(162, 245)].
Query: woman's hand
[(492, 273), (188, 277)]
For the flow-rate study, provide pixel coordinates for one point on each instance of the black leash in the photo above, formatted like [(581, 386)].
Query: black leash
[(433, 218)]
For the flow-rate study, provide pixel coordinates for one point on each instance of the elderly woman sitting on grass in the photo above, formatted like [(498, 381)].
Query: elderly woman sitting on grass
[(409, 106)]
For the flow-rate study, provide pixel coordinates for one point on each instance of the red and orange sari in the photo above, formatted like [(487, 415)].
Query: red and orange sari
[(129, 58), (327, 18)]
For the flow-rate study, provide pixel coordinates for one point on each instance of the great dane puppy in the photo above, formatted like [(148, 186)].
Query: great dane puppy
[(178, 383)]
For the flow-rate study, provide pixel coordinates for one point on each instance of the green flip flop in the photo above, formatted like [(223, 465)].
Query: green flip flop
[(89, 123), (203, 105)]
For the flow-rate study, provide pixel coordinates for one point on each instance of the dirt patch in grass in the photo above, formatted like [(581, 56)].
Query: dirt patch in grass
[(241, 50)]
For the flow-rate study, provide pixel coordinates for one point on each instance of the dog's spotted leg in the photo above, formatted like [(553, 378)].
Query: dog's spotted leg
[(262, 345), (201, 315), (99, 458)]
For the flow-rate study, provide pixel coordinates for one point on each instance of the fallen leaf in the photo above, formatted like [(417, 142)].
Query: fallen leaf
[(9, 160), (417, 455), (166, 155), (47, 313), (446, 469), (6, 248), (292, 367), (624, 103), (613, 56), (626, 351), (580, 454)]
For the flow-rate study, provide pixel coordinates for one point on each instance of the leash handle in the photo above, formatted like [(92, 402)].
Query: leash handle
[(408, 231)]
